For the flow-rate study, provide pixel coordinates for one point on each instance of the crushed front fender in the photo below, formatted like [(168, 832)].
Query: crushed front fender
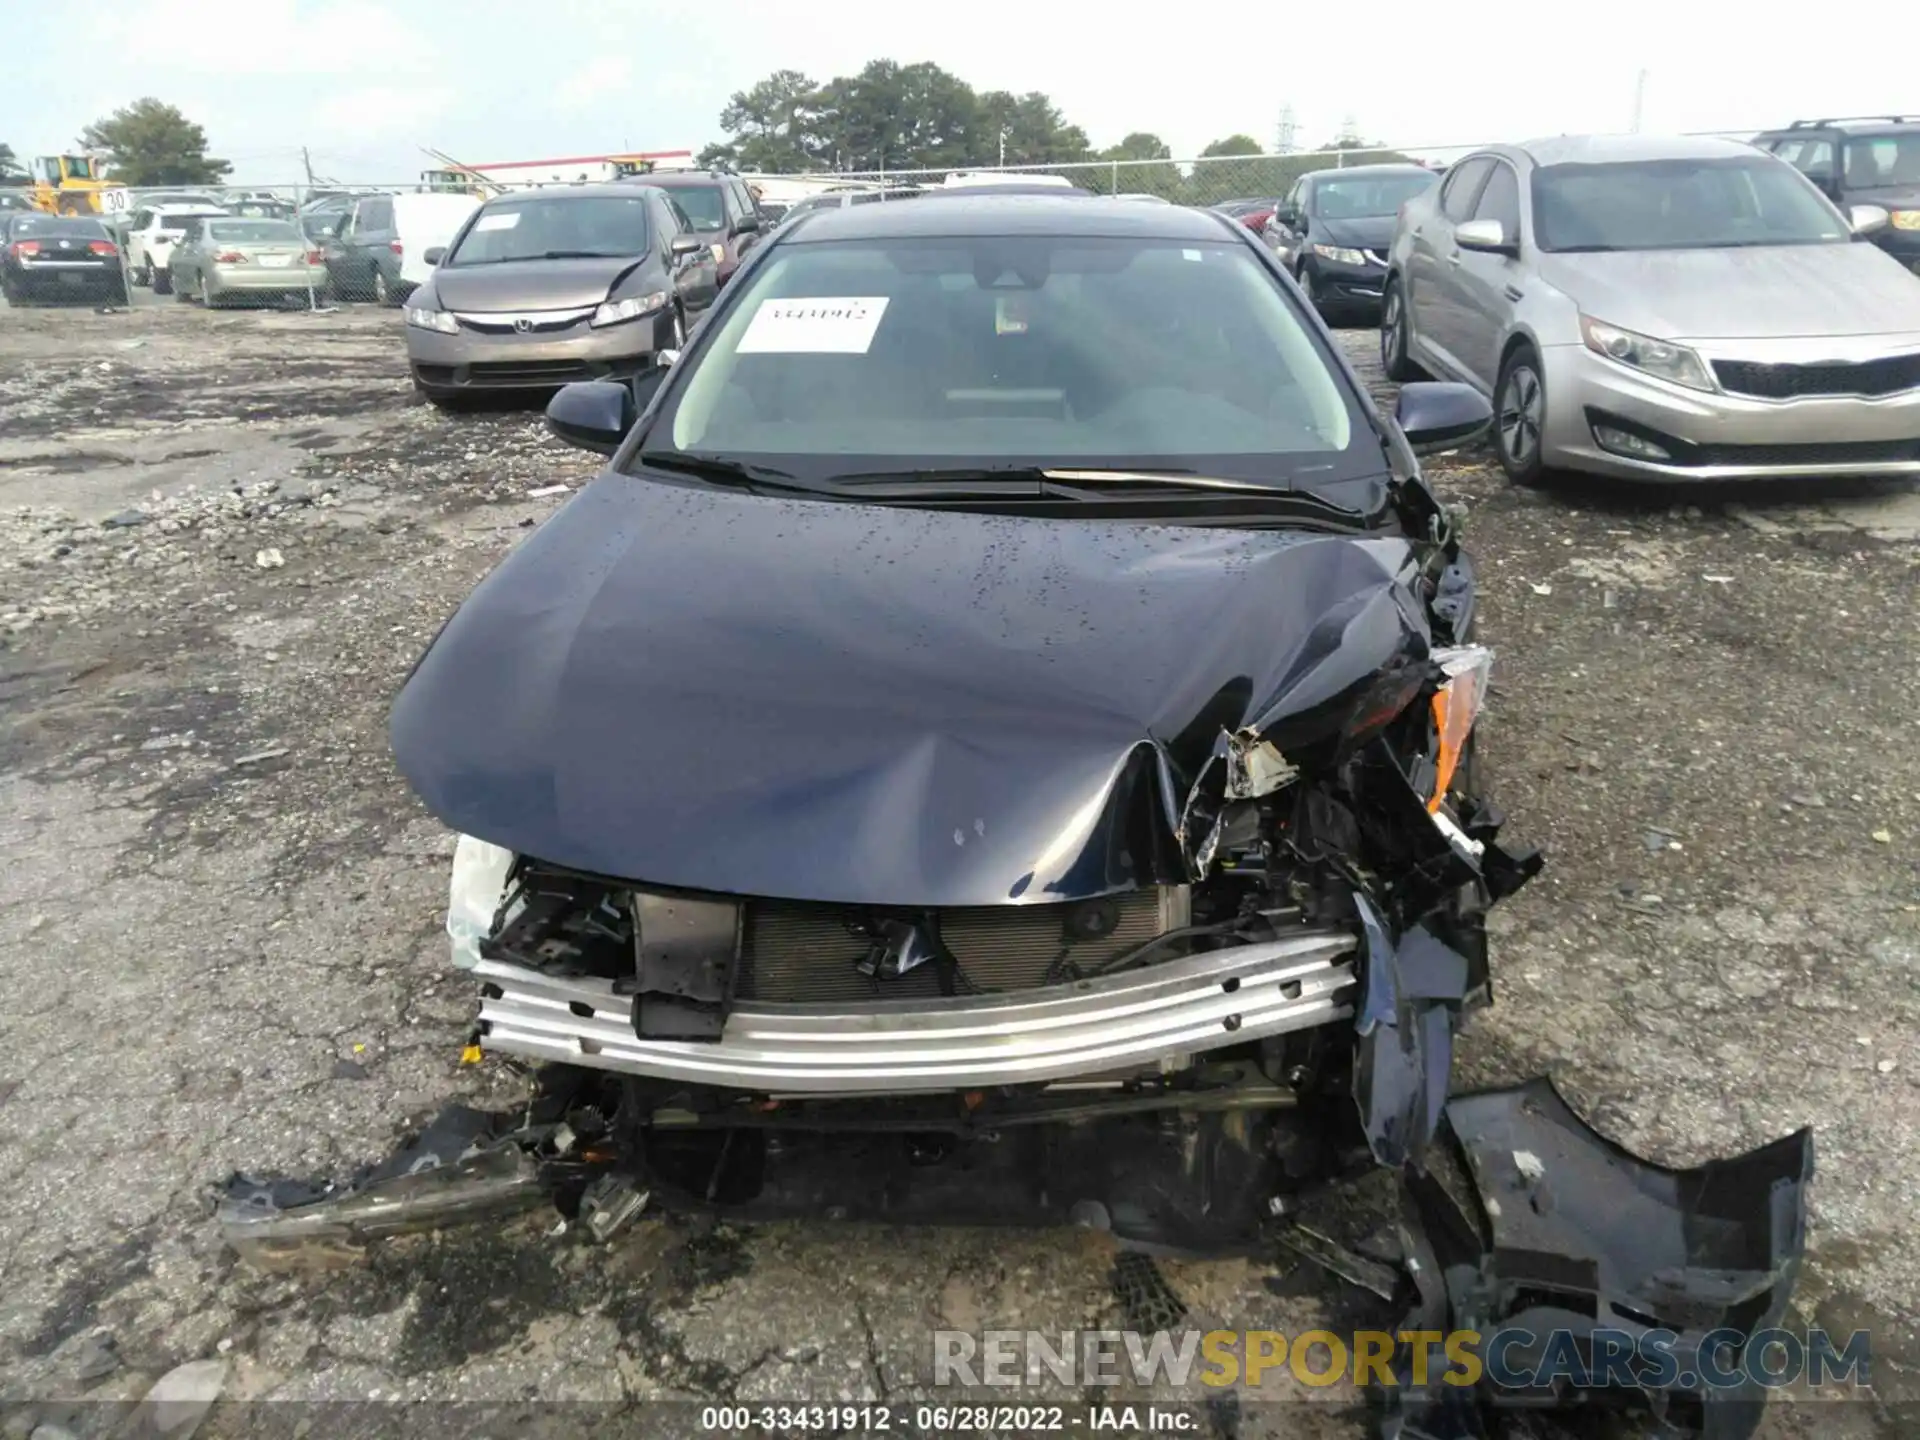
[(1585, 1263)]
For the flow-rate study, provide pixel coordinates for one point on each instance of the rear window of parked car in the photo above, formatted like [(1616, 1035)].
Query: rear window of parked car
[(56, 225), (254, 232)]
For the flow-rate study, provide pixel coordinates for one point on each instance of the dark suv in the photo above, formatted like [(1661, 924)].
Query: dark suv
[(721, 209), (1863, 160)]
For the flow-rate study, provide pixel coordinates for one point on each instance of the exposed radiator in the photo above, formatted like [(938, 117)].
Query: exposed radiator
[(796, 953)]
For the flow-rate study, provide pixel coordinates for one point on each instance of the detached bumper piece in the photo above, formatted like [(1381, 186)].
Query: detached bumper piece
[(466, 1165), (1589, 1250), (1137, 1018)]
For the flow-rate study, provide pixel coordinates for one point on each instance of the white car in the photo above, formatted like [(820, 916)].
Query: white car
[(150, 238)]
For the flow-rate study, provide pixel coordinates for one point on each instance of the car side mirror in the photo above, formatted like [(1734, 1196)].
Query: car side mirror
[(681, 246), (435, 254), (1488, 236), (1866, 219), (592, 414), (746, 225), (1441, 415)]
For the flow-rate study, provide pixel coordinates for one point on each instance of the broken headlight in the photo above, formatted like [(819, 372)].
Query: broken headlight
[(479, 880), (1456, 705)]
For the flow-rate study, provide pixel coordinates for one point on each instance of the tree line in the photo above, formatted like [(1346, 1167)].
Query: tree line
[(920, 117), (147, 143)]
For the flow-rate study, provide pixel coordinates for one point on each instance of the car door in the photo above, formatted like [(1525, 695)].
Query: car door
[(374, 239), (696, 276), (1433, 297), (1289, 216), (1488, 286), (746, 218), (187, 256), (137, 238)]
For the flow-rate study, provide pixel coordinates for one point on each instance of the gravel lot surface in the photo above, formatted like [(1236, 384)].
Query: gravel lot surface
[(225, 538)]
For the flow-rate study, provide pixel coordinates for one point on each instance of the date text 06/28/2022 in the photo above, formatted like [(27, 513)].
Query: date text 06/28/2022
[(955, 1419)]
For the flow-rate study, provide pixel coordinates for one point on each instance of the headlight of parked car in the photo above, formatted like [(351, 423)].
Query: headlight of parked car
[(441, 320), (616, 312), (1340, 254), (1906, 219), (1659, 358)]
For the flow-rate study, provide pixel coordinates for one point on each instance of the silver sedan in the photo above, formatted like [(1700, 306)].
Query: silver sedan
[(221, 258), (1686, 309)]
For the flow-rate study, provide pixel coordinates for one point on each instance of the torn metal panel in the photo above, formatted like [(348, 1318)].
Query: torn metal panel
[(1578, 1234)]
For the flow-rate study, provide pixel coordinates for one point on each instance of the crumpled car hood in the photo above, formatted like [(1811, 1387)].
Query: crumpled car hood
[(878, 705)]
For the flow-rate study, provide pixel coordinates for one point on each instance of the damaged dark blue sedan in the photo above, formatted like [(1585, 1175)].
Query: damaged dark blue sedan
[(997, 745)]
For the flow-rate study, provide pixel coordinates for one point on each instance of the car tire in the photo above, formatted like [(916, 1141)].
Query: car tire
[(1520, 416), (143, 277), (1393, 337), (162, 281), (1310, 287)]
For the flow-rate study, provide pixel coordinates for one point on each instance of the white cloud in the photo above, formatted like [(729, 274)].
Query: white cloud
[(383, 112), (594, 81), (277, 37)]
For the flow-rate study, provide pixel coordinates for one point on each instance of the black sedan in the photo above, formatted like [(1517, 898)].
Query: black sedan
[(60, 257), (1334, 229)]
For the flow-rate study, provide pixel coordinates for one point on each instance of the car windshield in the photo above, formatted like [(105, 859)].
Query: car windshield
[(1679, 205), (536, 227), (79, 167), (854, 357), (1363, 197), (254, 232), (1877, 160), (57, 225), (703, 205)]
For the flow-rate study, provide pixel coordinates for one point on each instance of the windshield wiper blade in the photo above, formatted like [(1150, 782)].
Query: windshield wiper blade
[(720, 470), (1042, 479)]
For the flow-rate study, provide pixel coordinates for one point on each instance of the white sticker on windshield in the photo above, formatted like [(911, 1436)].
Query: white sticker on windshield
[(816, 325), (1189, 254), (505, 220)]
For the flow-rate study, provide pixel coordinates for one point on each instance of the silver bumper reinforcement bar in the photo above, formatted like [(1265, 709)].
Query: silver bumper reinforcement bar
[(1181, 1007)]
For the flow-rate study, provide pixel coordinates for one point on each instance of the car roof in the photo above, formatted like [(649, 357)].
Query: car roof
[(1032, 214), (686, 177), (1854, 125), (1620, 149), (1384, 168)]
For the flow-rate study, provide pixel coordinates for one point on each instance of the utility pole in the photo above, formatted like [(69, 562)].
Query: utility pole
[(1639, 99), (306, 163), (1285, 137), (1003, 147)]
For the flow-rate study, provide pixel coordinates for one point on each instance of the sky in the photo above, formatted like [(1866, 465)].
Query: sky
[(363, 84)]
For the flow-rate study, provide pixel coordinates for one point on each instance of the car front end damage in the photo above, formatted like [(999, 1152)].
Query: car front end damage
[(1150, 937)]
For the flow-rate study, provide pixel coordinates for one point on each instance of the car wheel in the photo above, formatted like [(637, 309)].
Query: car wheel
[(163, 282), (1309, 285), (144, 275), (1520, 417), (1393, 337), (382, 292)]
